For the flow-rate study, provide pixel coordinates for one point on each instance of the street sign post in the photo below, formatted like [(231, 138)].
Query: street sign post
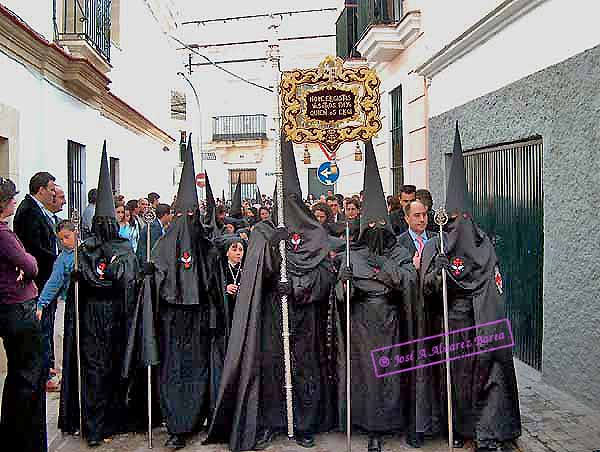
[(200, 180), (327, 175)]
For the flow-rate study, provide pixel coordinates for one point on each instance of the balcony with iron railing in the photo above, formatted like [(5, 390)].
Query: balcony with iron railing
[(239, 127), (83, 26), (377, 30)]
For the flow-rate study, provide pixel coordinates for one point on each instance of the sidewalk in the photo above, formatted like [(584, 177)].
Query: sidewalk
[(552, 420)]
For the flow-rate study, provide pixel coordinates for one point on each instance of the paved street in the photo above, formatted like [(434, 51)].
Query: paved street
[(331, 442), (552, 422)]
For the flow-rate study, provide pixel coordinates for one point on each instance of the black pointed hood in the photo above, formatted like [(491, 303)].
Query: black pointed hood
[(105, 204), (291, 183), (374, 208), (307, 245), (211, 204), (457, 198), (187, 195), (211, 208), (180, 256), (258, 196), (236, 200)]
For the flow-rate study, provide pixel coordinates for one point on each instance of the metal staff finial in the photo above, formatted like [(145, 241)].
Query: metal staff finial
[(76, 219), (441, 218), (149, 216)]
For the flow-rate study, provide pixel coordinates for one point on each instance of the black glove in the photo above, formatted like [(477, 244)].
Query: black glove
[(280, 234), (376, 261), (149, 268), (76, 275), (345, 273), (442, 261), (284, 288), (108, 253)]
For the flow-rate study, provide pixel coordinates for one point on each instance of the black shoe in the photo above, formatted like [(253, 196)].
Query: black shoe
[(305, 440), (175, 442), (375, 444), (488, 445), (264, 439), (458, 442), (94, 442), (415, 440)]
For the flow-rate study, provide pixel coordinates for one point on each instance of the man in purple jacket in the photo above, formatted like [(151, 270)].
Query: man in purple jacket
[(23, 420)]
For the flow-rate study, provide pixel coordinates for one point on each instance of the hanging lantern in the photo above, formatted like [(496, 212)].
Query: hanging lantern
[(358, 153), (306, 155)]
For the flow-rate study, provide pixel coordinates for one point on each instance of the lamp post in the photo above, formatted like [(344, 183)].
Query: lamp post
[(199, 122)]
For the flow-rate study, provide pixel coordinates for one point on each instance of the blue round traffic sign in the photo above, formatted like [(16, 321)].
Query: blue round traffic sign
[(326, 175)]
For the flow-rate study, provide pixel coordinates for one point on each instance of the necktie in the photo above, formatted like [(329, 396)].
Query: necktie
[(420, 244)]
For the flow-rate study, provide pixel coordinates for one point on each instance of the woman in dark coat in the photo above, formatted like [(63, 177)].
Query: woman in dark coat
[(23, 422)]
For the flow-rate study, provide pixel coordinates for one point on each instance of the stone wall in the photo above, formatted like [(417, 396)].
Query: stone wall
[(562, 104)]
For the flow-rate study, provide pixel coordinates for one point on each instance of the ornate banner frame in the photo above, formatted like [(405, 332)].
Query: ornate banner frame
[(330, 104)]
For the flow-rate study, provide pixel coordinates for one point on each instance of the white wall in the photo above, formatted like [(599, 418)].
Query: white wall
[(145, 64), (48, 117), (553, 32), (144, 72), (36, 13)]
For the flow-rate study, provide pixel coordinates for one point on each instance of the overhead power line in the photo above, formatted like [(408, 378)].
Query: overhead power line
[(257, 41), (227, 71), (256, 16)]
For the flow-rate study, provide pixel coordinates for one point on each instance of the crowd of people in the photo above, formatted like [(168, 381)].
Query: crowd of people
[(205, 312)]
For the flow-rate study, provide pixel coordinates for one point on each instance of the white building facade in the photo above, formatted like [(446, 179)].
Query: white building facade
[(236, 116), (71, 81)]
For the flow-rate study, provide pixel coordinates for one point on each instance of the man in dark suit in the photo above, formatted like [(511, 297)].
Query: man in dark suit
[(417, 235), (337, 214), (34, 224), (414, 240)]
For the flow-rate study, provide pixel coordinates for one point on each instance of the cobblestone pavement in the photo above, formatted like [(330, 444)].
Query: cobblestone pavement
[(552, 420), (330, 442)]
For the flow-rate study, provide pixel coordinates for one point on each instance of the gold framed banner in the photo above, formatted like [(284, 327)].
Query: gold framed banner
[(330, 104)]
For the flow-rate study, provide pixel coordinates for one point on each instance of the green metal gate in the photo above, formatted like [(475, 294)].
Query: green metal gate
[(506, 184), (315, 187)]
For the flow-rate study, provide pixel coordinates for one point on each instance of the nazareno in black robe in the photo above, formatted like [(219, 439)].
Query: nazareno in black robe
[(383, 294), (181, 258), (485, 397), (252, 395), (107, 297)]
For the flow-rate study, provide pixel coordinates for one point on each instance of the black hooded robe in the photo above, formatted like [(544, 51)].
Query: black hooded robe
[(484, 395), (252, 393), (180, 257), (382, 296), (107, 296)]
